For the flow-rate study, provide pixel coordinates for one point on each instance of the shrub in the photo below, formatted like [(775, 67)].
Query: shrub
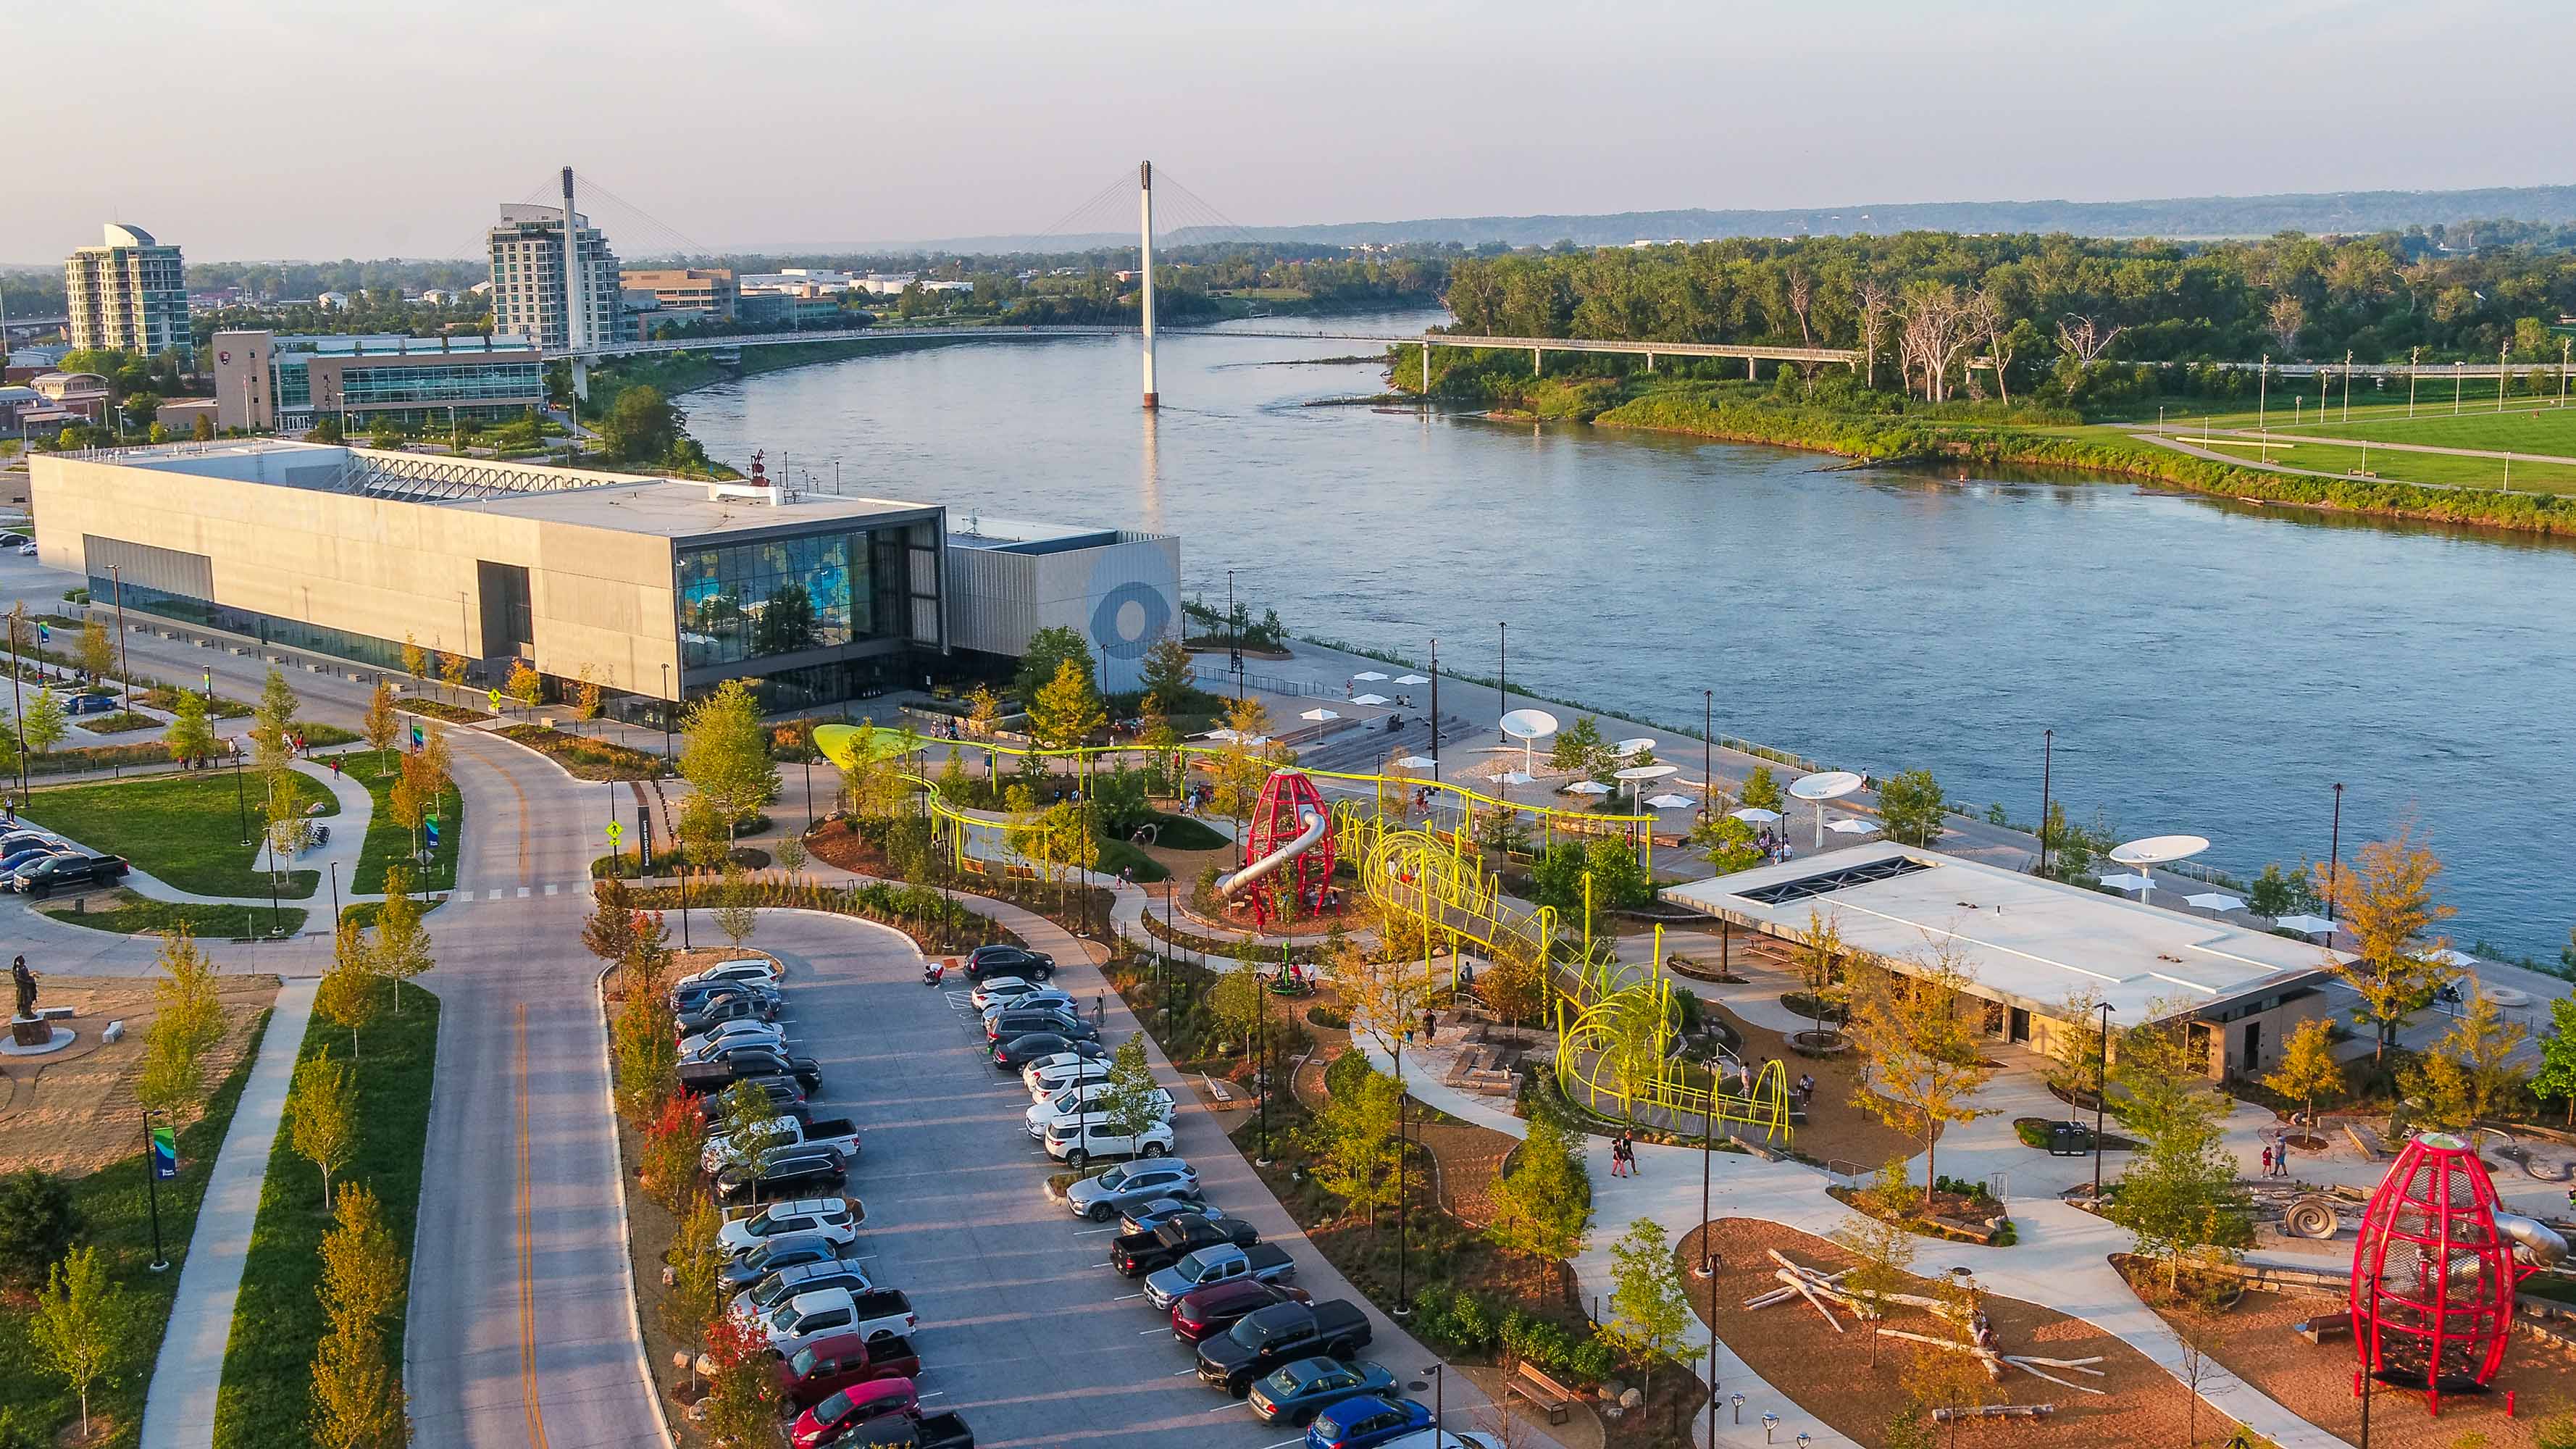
[(38, 1222), (1593, 1359)]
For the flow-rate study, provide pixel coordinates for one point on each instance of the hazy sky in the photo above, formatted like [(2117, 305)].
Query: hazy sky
[(287, 128)]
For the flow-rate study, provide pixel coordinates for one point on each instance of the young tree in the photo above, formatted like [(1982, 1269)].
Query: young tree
[(2276, 893), (187, 1022), (2308, 1068), (1168, 680), (585, 697), (735, 914), (1048, 651), (322, 1117), (741, 1406), (45, 723), (1127, 1094), (724, 753), (609, 934), (383, 727), (2387, 903), (1354, 1137), (1542, 1206), (364, 1276), (750, 1123), (526, 685), (1514, 985), (1948, 1378), (96, 652), (401, 947), (641, 426), (1762, 789), (1726, 842), (983, 710), (697, 1297), (346, 994), (79, 1324), (1242, 767), (1819, 958), (1650, 1312), (790, 852), (358, 1400), (1923, 1064), (668, 1161), (192, 735), (1882, 1243), (1911, 807), (1066, 710), (2557, 1074), (1236, 1004), (1579, 748), (451, 670), (2077, 1065), (415, 660), (272, 727), (2179, 1194), (2469, 1076)]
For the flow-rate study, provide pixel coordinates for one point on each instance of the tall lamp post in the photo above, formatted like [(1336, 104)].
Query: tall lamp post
[(1233, 638), (2334, 851), (1439, 1373), (2101, 1096), (1402, 1309), (1707, 1149), (669, 707), (17, 703), (1503, 679), (1435, 710), (1261, 1044), (124, 665), (2047, 759), (158, 1165)]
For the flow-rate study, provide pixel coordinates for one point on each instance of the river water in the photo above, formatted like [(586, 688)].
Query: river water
[(2210, 668)]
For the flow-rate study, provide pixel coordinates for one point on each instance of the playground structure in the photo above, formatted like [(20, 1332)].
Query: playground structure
[(1288, 851), (1617, 1047), (2434, 1271)]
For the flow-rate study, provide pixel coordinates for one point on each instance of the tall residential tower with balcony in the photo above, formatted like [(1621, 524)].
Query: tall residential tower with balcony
[(128, 294), (528, 280)]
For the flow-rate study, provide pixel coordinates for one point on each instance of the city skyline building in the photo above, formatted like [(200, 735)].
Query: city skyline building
[(129, 293), (528, 297)]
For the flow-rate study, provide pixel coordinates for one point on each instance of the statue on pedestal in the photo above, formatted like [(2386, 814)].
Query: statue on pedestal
[(25, 981), (25, 1027)]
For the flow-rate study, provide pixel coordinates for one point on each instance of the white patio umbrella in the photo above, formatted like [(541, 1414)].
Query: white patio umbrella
[(1319, 715), (1853, 826), (1587, 787), (2452, 956), (1413, 762), (1411, 679), (1755, 815), (2305, 925), (2124, 881), (1369, 674), (2215, 901), (1514, 777), (1368, 699), (1226, 735), (1669, 802)]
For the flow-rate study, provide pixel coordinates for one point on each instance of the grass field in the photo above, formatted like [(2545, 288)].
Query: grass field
[(388, 843), (2443, 468), (278, 1319), (2526, 425), (130, 915), (114, 1205), (184, 829)]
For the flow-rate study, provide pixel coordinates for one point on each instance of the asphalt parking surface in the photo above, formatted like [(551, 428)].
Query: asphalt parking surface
[(1025, 1329)]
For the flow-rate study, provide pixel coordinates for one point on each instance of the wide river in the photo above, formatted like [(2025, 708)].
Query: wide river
[(2209, 668)]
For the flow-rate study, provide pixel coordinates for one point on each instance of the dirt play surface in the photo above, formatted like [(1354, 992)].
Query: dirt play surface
[(74, 1111), (2315, 1382), (1836, 1131), (1829, 1374)]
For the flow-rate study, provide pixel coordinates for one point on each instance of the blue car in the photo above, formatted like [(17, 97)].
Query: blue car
[(1365, 1422), (26, 855), (1299, 1391), (90, 704)]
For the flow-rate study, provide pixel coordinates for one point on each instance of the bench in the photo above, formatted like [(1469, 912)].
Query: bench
[(1218, 1091), (1545, 1394), (2365, 1139)]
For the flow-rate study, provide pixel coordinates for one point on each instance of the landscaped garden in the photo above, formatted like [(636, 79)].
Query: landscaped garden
[(186, 830)]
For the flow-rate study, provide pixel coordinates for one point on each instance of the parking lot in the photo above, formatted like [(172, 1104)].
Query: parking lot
[(1025, 1329)]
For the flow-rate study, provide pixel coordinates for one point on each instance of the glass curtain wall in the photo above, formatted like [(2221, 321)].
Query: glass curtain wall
[(777, 596)]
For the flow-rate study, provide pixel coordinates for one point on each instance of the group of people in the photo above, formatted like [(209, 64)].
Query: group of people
[(2276, 1160), (1775, 845), (1623, 1154)]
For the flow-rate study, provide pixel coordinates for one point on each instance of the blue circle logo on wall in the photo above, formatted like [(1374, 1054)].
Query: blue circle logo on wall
[(1129, 618)]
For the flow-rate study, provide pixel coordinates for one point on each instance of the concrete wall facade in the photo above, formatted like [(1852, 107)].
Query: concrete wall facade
[(1119, 597), (599, 598)]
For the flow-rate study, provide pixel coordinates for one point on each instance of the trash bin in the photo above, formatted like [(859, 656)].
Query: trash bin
[(2070, 1139)]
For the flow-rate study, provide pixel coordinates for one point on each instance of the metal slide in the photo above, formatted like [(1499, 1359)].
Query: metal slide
[(1316, 823)]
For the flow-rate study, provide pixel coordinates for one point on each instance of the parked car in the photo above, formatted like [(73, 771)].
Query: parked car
[(26, 550), (837, 1218), (71, 871), (829, 1312), (1043, 1000), (715, 1010), (826, 1366), (17, 840), (1145, 1217), (1211, 1311), (1076, 1141), (1261, 1341), (1173, 1239), (931, 1431), (90, 704), (785, 1098), (779, 1252), (27, 855), (784, 1173), (749, 968), (1003, 1025), (689, 998), (832, 1419), (1049, 1075), (995, 990), (1299, 1391), (741, 1046), (1070, 1106), (1019, 1051), (1209, 1266), (718, 1075), (14, 540), (740, 1028), (756, 1301), (1444, 1439), (836, 1134), (1366, 1422), (1105, 1196), (986, 961)]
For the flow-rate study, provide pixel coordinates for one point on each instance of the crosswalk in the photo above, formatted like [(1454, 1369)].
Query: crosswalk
[(463, 895)]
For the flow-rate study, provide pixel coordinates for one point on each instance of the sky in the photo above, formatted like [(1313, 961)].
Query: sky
[(292, 129)]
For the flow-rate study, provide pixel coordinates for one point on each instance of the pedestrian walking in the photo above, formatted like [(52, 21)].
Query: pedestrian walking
[(335, 767), (1099, 1008), (1618, 1158), (2267, 1161), (1430, 1021)]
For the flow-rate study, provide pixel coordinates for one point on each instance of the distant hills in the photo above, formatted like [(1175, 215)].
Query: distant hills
[(2176, 217)]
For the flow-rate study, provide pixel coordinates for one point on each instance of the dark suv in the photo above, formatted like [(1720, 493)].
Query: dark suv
[(1009, 961), (787, 1172)]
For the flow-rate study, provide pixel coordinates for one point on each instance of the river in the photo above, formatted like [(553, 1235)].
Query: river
[(2208, 667)]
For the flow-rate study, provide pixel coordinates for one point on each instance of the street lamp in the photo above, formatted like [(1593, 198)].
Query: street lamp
[(2101, 1096), (2047, 760), (1707, 1130), (668, 705), (241, 799), (1439, 1373), (1503, 681), (1402, 1308), (124, 664), (1708, 753), (2334, 851)]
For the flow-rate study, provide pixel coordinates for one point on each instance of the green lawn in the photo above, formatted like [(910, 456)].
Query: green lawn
[(2517, 430), (388, 843), (363, 914), (278, 1318), (132, 915), (185, 829), (2405, 467), (1182, 832), (1117, 855), (114, 1204)]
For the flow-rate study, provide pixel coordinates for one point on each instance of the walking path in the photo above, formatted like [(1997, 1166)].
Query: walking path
[(2179, 446), (179, 1408), (2502, 453)]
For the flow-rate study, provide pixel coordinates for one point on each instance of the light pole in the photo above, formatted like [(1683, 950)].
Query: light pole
[(335, 895), (1402, 1309), (1439, 1373), (668, 706), (2411, 354), (1707, 1149), (1708, 754), (1261, 1044), (1233, 638), (1435, 711), (2047, 759), (152, 1175), (2334, 851), (241, 798), (2101, 1096), (17, 702), (1503, 685), (124, 665), (2262, 389)]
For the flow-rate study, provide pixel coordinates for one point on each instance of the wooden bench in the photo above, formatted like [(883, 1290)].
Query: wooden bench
[(1218, 1091), (1544, 1393)]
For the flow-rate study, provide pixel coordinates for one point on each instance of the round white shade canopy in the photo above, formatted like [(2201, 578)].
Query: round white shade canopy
[(1645, 772), (1411, 679), (1630, 747), (1829, 785), (1368, 699), (2158, 849), (1852, 827), (1669, 802), (1588, 787), (1529, 724), (1319, 715), (1755, 814)]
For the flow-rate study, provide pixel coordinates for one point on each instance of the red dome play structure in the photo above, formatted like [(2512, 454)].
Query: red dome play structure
[(2434, 1271), (1287, 849)]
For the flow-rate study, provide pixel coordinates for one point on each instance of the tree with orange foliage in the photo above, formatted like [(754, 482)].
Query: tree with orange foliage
[(2386, 901)]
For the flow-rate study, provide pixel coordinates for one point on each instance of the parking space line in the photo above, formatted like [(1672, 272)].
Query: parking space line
[(1125, 1297), (1153, 1330), (1186, 1372)]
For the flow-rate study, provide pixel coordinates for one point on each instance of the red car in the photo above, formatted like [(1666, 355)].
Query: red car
[(826, 1366), (858, 1404), (1215, 1308)]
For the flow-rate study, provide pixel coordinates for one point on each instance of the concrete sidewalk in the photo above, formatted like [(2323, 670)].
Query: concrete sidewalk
[(179, 1408)]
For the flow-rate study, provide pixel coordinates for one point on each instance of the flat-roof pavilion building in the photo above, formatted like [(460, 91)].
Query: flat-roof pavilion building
[(2029, 944)]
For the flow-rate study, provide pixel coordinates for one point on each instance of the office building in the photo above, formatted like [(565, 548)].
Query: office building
[(657, 588), (685, 294), (129, 294), (271, 383), (528, 298)]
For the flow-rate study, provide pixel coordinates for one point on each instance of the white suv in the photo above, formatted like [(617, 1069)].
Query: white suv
[(836, 1219), (1077, 1142), (1068, 1106), (751, 968), (1049, 1075)]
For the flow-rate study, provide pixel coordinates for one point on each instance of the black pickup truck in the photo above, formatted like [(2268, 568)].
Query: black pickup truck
[(713, 1077), (1166, 1243), (41, 878), (1263, 1341)]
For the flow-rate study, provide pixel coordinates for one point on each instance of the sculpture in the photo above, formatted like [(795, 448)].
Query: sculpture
[(25, 981)]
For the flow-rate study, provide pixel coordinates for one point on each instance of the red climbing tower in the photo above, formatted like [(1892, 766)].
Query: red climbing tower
[(2433, 1276), (1289, 808)]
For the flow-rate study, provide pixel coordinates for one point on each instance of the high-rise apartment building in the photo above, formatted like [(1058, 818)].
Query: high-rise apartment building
[(129, 294), (528, 280)]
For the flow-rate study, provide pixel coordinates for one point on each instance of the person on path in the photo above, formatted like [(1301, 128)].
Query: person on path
[(2267, 1160), (1619, 1161), (1430, 1021), (335, 767), (1099, 1009)]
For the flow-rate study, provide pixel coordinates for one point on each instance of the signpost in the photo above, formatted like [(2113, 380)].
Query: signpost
[(161, 1145)]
